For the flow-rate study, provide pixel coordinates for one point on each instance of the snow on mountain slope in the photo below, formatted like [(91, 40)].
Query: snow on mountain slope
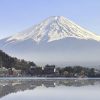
[(54, 28), (56, 40)]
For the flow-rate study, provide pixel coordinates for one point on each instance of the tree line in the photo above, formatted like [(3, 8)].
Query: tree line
[(31, 69), (12, 62)]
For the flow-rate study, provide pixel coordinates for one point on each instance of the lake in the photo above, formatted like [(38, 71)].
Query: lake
[(49, 89)]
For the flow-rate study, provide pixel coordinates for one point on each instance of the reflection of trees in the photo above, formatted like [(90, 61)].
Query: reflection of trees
[(77, 83), (12, 86)]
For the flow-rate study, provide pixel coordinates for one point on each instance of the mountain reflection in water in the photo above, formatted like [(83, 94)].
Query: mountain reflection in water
[(8, 86)]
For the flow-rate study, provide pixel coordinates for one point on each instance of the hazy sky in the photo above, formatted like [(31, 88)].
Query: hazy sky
[(17, 15)]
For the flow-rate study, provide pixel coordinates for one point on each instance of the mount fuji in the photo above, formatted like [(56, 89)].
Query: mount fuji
[(56, 40)]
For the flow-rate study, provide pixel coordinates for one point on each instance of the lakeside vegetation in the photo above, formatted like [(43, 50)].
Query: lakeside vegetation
[(10, 66)]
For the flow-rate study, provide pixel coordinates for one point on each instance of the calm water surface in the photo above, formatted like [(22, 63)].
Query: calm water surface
[(49, 89)]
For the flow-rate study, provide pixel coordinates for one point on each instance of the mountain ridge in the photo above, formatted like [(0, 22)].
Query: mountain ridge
[(54, 41), (54, 28)]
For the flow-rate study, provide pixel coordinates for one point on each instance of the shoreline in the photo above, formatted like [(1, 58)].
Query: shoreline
[(43, 78)]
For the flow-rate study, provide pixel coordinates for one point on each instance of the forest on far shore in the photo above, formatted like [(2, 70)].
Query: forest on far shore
[(11, 66)]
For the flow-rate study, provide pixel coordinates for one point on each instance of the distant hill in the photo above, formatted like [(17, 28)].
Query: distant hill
[(11, 62)]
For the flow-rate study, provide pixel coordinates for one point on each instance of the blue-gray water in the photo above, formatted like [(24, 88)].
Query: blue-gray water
[(49, 89)]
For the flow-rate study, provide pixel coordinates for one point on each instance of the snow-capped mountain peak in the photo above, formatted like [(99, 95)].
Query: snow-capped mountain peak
[(54, 28), (56, 40)]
